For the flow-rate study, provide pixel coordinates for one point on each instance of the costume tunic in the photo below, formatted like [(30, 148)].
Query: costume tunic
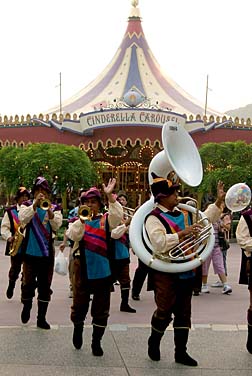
[(92, 273)]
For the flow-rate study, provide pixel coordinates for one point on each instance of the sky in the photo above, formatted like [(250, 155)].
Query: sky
[(190, 39)]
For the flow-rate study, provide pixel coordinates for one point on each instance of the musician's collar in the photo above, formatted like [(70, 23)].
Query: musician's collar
[(165, 210)]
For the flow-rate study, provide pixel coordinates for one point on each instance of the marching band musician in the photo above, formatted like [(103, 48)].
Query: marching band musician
[(40, 225), (121, 257), (166, 227), (244, 239), (9, 226), (92, 272)]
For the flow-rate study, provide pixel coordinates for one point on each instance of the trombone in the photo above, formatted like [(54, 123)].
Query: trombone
[(128, 211)]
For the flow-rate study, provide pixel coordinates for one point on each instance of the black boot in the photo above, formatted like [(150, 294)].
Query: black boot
[(10, 289), (249, 339), (98, 332), (124, 307), (77, 336), (180, 340), (158, 327), (25, 314), (41, 318), (154, 344)]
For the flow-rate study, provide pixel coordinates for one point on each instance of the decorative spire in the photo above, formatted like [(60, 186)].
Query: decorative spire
[(135, 12)]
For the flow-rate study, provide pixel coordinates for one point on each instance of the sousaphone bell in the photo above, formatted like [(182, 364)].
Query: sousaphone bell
[(180, 159)]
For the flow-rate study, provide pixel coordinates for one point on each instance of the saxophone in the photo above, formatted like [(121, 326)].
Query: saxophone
[(17, 241)]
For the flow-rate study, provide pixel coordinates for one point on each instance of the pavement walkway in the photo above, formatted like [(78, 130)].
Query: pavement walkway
[(217, 339)]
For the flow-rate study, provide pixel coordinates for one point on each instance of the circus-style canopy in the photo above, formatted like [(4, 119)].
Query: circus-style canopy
[(134, 78)]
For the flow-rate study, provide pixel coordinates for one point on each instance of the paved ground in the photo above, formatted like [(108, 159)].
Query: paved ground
[(217, 339)]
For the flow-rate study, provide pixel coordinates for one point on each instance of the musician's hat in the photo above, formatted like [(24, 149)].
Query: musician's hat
[(42, 183), (162, 187), (22, 191)]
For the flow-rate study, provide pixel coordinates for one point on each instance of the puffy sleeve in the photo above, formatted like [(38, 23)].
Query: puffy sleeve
[(56, 222), (119, 231), (213, 213), (160, 240), (25, 214), (115, 214), (5, 227), (243, 236), (75, 230)]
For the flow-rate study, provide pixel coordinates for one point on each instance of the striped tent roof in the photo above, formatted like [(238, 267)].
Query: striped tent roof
[(133, 69)]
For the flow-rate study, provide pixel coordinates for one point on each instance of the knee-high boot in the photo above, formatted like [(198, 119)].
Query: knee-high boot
[(41, 318), (180, 340), (10, 289), (97, 335), (249, 339), (26, 312), (125, 302), (157, 331), (77, 335)]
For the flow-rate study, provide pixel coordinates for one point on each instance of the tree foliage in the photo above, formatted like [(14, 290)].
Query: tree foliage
[(64, 166), (229, 162)]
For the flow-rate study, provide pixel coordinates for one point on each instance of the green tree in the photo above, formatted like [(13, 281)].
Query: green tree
[(64, 166), (229, 162)]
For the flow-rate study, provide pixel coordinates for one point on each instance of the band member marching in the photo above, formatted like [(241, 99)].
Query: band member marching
[(92, 272), (121, 258), (166, 226), (244, 239), (41, 220), (11, 232)]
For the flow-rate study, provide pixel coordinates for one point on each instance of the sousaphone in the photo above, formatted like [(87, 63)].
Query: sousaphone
[(179, 159)]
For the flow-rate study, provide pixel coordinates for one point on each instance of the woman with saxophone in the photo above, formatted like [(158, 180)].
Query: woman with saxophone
[(11, 232), (92, 272), (166, 227), (41, 220)]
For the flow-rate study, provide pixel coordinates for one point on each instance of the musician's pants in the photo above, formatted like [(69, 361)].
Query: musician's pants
[(82, 291), (173, 299), (122, 274), (15, 269), (37, 273), (139, 277)]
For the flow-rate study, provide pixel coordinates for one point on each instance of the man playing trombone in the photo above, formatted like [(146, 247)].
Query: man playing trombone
[(167, 226)]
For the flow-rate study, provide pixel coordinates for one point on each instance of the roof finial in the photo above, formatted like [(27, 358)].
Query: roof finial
[(134, 3), (134, 10)]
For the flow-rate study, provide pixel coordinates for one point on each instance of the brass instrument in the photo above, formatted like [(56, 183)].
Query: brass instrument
[(17, 241), (45, 204), (193, 241), (181, 158), (127, 211), (85, 213)]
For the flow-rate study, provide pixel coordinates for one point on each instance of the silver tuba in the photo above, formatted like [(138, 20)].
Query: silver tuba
[(180, 159)]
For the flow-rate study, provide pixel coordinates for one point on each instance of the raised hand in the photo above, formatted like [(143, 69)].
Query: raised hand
[(109, 188)]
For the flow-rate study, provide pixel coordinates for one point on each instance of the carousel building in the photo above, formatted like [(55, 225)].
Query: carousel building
[(117, 119)]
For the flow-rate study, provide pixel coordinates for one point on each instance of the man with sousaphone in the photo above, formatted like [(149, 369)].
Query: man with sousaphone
[(166, 227), (163, 237)]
